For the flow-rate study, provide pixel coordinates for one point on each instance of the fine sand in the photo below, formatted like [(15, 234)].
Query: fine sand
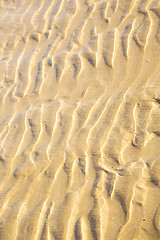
[(79, 119)]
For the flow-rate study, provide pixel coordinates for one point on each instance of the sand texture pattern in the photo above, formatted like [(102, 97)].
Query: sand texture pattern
[(79, 119)]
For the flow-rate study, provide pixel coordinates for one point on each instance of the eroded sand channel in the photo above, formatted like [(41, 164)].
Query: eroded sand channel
[(79, 120)]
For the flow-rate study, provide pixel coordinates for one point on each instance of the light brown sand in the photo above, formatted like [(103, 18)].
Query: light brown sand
[(80, 119)]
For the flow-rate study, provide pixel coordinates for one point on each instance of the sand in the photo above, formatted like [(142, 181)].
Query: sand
[(80, 119)]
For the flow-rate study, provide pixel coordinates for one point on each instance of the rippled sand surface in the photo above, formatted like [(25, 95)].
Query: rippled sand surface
[(80, 119)]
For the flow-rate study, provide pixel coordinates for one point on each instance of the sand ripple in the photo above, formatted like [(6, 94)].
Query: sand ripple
[(79, 119)]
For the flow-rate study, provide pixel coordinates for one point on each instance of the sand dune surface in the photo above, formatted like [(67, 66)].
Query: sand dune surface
[(79, 119)]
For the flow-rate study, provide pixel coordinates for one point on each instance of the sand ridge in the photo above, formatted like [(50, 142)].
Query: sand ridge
[(79, 120)]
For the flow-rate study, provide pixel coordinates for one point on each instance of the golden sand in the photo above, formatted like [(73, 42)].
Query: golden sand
[(80, 119)]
